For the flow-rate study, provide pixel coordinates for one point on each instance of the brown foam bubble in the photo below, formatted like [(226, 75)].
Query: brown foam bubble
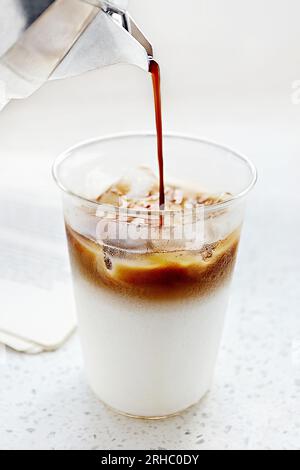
[(155, 276), (139, 190)]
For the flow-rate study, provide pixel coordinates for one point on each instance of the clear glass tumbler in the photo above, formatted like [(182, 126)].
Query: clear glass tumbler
[(151, 313)]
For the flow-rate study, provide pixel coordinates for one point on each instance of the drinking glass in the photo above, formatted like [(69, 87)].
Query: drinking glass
[(150, 307)]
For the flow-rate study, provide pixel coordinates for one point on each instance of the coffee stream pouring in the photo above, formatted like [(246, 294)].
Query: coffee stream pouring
[(55, 39)]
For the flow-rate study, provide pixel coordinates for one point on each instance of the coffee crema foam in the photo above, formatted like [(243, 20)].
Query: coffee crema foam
[(156, 276), (162, 270), (139, 190)]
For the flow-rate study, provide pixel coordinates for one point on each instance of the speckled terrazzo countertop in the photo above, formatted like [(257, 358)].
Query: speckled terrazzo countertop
[(45, 402)]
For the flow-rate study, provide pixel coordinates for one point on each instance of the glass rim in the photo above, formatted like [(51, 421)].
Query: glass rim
[(210, 208)]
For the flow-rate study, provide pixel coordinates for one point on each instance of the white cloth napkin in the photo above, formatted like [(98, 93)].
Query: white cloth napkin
[(37, 310)]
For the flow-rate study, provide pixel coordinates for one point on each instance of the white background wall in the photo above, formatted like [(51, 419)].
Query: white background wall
[(238, 60)]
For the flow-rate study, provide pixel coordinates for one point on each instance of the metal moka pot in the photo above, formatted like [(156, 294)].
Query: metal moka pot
[(55, 39)]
